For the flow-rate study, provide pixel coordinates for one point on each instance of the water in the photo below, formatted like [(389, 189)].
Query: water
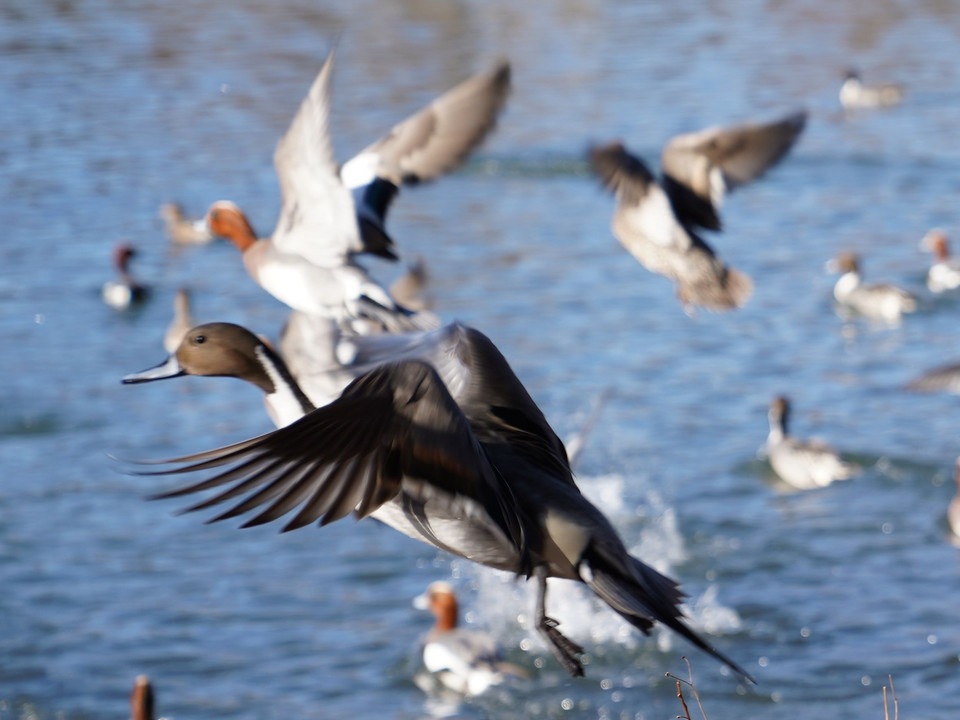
[(111, 109)]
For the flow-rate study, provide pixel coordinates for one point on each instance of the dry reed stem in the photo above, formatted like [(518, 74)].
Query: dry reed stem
[(693, 689)]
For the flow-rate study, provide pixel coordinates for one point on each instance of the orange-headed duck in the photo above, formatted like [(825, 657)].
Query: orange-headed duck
[(463, 660), (944, 273)]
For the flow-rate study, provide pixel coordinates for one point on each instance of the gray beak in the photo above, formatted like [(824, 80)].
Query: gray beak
[(169, 368)]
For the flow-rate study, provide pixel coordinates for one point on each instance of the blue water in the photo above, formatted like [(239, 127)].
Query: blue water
[(111, 109)]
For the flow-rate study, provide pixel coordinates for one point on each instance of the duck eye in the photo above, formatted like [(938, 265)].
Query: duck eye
[(199, 339)]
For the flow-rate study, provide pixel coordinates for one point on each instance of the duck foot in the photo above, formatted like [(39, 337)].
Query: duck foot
[(565, 649)]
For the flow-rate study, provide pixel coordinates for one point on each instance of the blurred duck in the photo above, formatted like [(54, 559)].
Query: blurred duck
[(124, 291), (444, 445), (877, 301), (953, 510), (854, 94), (141, 699), (945, 378), (408, 289), (944, 273), (657, 220), (308, 262), (803, 464), (465, 661), (181, 229), (181, 323)]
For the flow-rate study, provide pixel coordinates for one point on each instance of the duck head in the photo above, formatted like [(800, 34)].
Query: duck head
[(226, 220)]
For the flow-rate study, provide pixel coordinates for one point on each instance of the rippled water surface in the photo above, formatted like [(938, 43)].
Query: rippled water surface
[(110, 109)]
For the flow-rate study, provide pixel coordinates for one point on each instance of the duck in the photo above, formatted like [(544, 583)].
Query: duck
[(182, 321), (880, 301), (444, 444), (141, 699), (953, 509), (123, 292), (308, 261), (657, 220), (855, 95), (945, 378), (802, 464), (408, 289), (182, 230), (944, 273), (466, 661)]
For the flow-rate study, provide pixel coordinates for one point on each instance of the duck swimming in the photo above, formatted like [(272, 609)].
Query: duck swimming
[(944, 273), (445, 445), (803, 464), (880, 301), (124, 291), (462, 660), (657, 220), (855, 95)]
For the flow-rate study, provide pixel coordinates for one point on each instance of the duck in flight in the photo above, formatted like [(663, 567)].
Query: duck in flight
[(445, 445), (657, 219)]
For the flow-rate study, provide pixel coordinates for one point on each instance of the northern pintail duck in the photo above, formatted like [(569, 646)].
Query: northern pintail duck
[(944, 273), (182, 321), (854, 94), (953, 509), (446, 446), (657, 220), (803, 464), (880, 301), (123, 291), (463, 660), (141, 699), (428, 144), (181, 229)]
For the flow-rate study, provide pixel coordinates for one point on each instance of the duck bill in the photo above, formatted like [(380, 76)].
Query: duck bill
[(169, 368)]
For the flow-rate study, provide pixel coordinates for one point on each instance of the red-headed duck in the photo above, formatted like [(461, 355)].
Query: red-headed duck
[(803, 464), (141, 699), (445, 445), (880, 301), (124, 291), (463, 660), (656, 220), (944, 273)]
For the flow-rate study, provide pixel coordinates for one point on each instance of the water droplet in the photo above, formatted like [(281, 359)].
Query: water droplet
[(805, 632), (865, 680), (763, 662), (887, 528), (566, 704), (932, 639), (39, 318), (606, 684)]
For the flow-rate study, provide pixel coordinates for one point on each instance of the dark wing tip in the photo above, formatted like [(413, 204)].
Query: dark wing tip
[(616, 166)]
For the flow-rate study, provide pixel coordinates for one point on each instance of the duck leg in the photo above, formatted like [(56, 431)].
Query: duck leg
[(566, 650)]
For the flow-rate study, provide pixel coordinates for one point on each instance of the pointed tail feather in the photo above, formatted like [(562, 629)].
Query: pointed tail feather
[(646, 597)]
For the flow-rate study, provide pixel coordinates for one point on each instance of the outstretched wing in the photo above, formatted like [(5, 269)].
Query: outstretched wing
[(318, 219), (699, 168), (394, 431)]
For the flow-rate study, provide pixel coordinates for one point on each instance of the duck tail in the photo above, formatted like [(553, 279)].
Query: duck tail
[(646, 596), (739, 287), (729, 291)]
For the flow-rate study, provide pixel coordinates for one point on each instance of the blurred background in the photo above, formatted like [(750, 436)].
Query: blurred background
[(111, 109)]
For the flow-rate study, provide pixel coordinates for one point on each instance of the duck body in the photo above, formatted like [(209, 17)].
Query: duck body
[(124, 291), (466, 661), (182, 230), (944, 272), (445, 444), (802, 464), (657, 220), (879, 301), (854, 94)]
